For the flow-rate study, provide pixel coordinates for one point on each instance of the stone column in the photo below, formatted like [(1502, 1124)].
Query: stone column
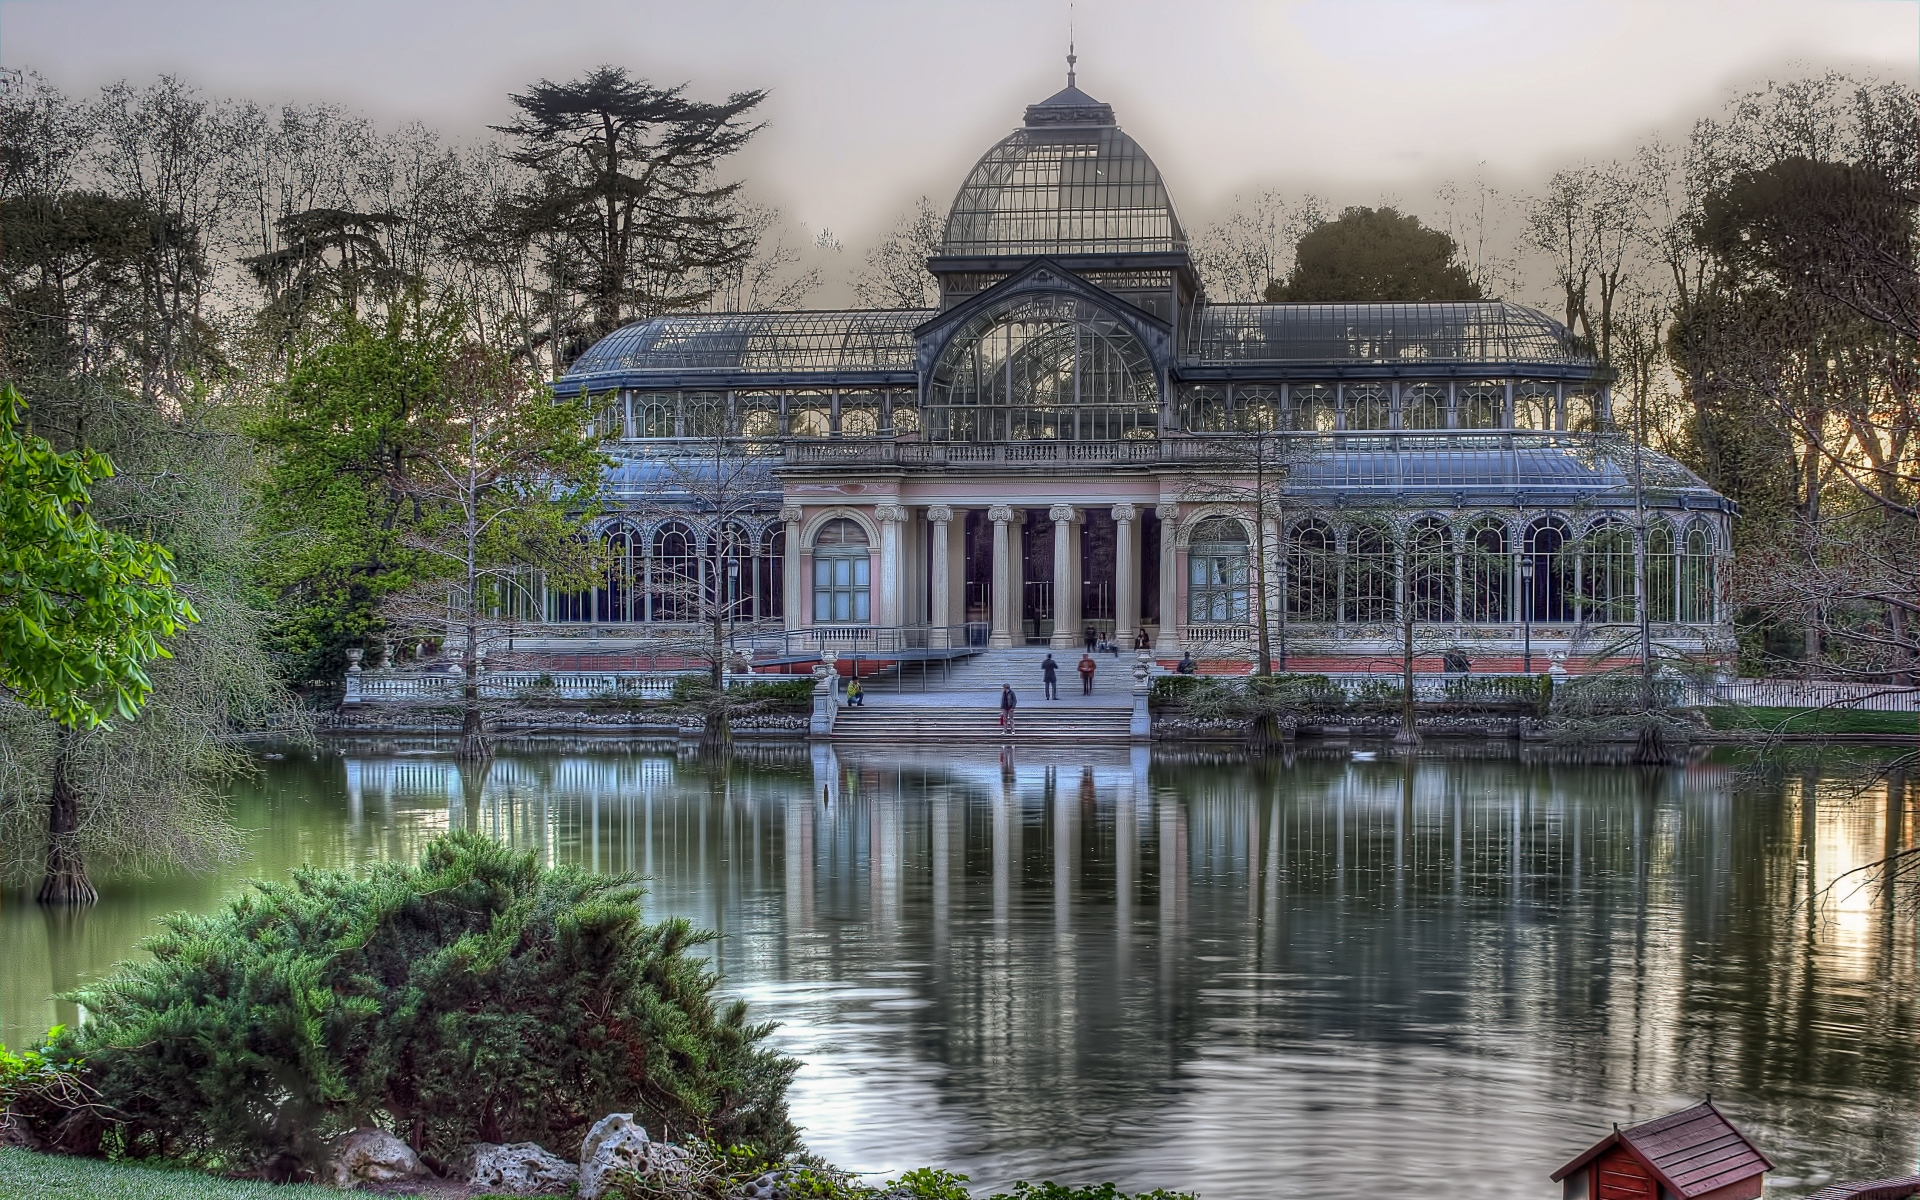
[(890, 517), (940, 597), (1001, 633), (1168, 644), (1066, 598), (790, 573), (1126, 578)]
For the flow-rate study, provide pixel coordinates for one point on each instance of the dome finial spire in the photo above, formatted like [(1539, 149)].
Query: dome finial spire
[(1070, 56)]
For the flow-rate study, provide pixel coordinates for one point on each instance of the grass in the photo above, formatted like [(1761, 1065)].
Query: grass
[(25, 1175), (1812, 720)]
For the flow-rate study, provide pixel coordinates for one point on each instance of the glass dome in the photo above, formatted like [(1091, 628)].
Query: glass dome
[(1069, 182)]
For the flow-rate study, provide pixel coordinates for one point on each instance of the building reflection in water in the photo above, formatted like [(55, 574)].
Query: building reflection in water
[(1341, 973)]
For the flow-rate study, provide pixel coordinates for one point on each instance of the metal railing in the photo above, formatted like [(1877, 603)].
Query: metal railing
[(439, 687)]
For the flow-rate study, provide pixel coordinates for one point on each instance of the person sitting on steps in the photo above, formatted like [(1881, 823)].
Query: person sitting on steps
[(1141, 641), (1050, 675), (1087, 668), (1187, 665), (856, 695)]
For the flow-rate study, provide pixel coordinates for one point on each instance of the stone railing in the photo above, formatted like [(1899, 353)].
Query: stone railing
[(438, 687)]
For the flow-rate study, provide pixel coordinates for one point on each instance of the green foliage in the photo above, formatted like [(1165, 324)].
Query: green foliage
[(82, 609), (476, 996), (783, 695), (1373, 256), (1812, 720), (1527, 692), (930, 1183), (36, 1072)]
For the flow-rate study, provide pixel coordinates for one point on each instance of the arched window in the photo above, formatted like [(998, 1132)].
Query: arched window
[(1256, 408), (1044, 367), (1312, 407), (1548, 593), (1533, 405), (676, 574), (1606, 570), (1480, 404), (1368, 568), (1661, 597), (1203, 408), (1369, 405), (1486, 573), (1217, 575), (734, 588), (841, 575), (620, 599), (1423, 406), (769, 577), (1430, 569), (1696, 574), (1313, 573)]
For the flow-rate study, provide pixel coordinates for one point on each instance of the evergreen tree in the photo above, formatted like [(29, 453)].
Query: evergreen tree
[(1369, 256)]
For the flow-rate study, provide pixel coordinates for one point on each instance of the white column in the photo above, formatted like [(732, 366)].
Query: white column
[(1126, 578), (1171, 617), (890, 517), (940, 598), (790, 566), (1000, 635), (1066, 596)]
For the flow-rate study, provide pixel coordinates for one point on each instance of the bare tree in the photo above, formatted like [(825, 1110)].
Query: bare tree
[(507, 489), (895, 273), (1241, 256)]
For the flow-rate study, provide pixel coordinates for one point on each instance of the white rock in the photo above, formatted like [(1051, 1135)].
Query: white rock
[(373, 1156), (618, 1143), (520, 1168)]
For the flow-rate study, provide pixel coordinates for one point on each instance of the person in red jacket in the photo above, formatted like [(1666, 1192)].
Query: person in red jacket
[(1087, 668)]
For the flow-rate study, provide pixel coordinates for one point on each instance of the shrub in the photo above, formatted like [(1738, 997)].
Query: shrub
[(477, 996)]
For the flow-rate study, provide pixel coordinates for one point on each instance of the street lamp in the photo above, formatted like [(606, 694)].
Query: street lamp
[(1526, 611)]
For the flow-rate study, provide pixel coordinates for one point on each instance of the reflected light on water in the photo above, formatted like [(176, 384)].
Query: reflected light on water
[(1343, 975)]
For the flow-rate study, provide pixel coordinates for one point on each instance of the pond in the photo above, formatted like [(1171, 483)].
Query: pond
[(1341, 974)]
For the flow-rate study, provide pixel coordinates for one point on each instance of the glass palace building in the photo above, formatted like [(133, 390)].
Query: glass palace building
[(1078, 438)]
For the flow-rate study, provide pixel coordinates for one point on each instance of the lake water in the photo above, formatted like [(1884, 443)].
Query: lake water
[(1341, 975)]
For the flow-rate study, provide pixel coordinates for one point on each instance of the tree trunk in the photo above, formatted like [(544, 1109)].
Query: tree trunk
[(1408, 735), (1651, 748), (474, 744), (716, 732), (66, 880)]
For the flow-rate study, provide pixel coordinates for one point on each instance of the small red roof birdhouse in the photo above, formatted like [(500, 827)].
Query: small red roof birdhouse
[(1695, 1154)]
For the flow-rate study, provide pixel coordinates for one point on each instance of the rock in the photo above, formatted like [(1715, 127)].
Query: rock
[(618, 1143), (521, 1168), (771, 1186), (373, 1156)]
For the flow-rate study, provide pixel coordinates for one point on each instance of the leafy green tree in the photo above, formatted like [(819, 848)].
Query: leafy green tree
[(347, 432), (476, 996), (82, 612), (1370, 256)]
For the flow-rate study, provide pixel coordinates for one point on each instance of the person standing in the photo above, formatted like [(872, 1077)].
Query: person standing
[(1008, 702), (1087, 668), (1050, 675), (1092, 638)]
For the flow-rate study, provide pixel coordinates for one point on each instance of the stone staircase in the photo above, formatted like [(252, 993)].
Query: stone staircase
[(1085, 724), (1020, 666)]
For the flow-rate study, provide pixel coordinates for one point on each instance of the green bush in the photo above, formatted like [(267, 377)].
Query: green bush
[(478, 996), (783, 695)]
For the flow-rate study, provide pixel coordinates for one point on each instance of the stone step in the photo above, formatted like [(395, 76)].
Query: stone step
[(982, 724)]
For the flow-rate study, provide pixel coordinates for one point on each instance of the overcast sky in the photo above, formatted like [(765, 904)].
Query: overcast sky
[(875, 102)]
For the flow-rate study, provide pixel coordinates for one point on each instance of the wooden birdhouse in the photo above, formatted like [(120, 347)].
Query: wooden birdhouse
[(1695, 1154)]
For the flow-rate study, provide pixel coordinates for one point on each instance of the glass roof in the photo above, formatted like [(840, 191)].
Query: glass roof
[(1070, 182), (769, 342), (1466, 332)]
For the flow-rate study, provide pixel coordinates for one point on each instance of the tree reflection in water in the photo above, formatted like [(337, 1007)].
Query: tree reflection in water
[(1216, 974)]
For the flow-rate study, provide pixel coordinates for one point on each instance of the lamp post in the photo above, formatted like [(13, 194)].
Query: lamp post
[(1526, 612)]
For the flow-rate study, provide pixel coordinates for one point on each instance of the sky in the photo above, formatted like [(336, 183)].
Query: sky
[(877, 102)]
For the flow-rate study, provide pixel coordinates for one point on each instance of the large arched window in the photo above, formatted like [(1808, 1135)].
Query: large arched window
[(1423, 406), (1696, 573), (1480, 404), (675, 574), (1429, 569), (1369, 405), (1367, 589), (1217, 575), (1548, 593), (1486, 573), (1044, 367), (841, 577), (620, 599), (1313, 572), (1606, 569), (1660, 579)]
